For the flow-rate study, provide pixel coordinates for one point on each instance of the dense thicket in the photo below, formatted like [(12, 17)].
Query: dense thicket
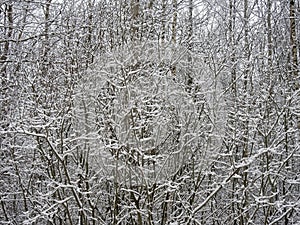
[(149, 112)]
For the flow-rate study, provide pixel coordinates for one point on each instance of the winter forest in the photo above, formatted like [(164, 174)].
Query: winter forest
[(150, 112)]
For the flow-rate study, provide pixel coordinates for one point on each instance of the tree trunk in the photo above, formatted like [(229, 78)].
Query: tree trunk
[(293, 42), (174, 30), (189, 78)]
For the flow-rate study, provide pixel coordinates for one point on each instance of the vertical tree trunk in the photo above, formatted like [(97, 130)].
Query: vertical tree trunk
[(293, 42), (90, 34), (246, 45), (9, 27), (174, 31), (294, 53), (270, 78), (189, 78), (232, 45), (45, 46), (163, 22), (174, 22), (3, 66), (233, 96), (135, 7), (270, 42), (245, 124)]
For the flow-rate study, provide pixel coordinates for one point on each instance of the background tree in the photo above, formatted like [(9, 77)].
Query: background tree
[(149, 112)]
